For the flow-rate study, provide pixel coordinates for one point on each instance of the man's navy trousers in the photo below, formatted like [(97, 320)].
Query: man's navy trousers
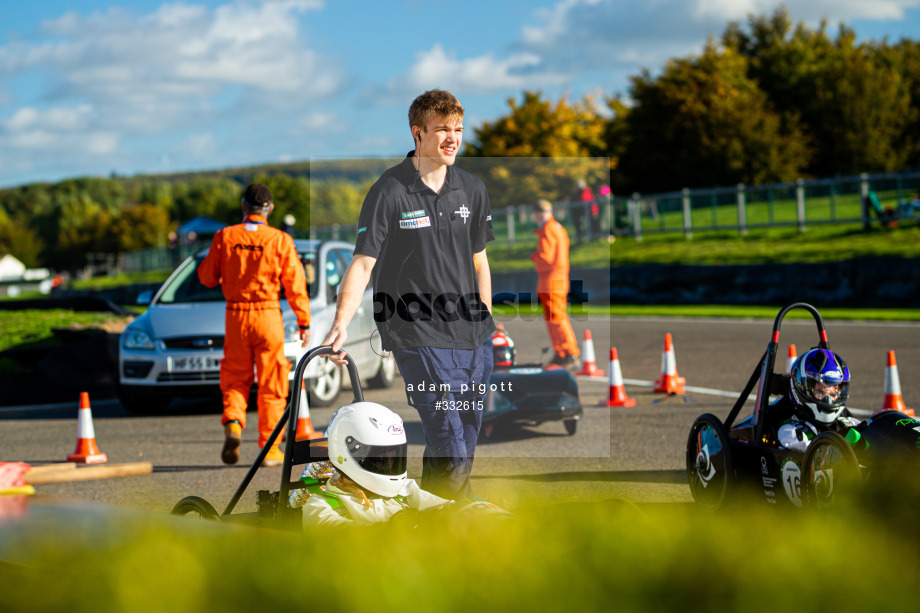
[(447, 387)]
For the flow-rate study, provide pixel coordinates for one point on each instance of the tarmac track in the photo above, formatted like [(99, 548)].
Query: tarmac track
[(635, 454)]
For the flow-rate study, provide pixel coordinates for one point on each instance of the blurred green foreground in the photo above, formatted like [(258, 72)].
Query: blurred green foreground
[(589, 556)]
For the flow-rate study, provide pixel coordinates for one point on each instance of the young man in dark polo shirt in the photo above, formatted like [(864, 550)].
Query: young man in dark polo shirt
[(422, 232)]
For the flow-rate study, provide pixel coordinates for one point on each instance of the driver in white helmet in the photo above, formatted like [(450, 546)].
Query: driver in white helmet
[(365, 479)]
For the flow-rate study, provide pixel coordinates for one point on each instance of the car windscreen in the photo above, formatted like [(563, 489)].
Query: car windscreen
[(308, 260), (185, 286)]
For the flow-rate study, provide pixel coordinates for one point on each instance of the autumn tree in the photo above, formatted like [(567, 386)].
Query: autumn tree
[(214, 197), (704, 122), (291, 195), (538, 150), (335, 201), (853, 101)]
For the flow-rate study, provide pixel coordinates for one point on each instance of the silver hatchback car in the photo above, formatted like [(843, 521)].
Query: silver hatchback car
[(175, 347)]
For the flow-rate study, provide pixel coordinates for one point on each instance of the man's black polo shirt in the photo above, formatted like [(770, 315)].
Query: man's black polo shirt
[(425, 288)]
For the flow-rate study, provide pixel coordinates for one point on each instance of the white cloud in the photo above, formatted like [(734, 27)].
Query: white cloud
[(321, 122), (202, 146), (811, 11), (616, 37), (57, 130), (483, 74), (182, 68), (174, 66)]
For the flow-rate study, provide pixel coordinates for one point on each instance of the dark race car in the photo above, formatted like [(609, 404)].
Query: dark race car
[(528, 393), (724, 457)]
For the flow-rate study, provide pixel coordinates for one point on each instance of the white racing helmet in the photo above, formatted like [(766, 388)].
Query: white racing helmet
[(367, 442)]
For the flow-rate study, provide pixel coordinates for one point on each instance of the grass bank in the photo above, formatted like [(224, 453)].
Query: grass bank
[(825, 243), (33, 328)]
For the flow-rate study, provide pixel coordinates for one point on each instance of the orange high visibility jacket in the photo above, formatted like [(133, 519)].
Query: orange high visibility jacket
[(551, 258), (251, 261)]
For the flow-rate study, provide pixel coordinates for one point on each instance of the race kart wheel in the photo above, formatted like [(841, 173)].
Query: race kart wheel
[(326, 388), (710, 470), (570, 425), (195, 507), (830, 471)]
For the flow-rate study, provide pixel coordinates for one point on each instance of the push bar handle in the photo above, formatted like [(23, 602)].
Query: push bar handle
[(819, 321), (327, 350), (290, 415)]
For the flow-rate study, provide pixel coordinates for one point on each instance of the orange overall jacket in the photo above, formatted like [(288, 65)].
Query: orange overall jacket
[(252, 261), (551, 260)]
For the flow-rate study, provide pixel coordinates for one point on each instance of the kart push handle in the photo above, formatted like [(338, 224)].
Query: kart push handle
[(822, 332), (763, 373), (769, 360), (289, 417)]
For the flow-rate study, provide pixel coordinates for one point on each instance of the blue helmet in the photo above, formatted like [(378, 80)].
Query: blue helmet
[(819, 381)]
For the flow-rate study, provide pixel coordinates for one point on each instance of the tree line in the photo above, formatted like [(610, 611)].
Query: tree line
[(770, 100)]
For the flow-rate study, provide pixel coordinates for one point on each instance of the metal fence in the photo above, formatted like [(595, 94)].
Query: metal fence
[(839, 200)]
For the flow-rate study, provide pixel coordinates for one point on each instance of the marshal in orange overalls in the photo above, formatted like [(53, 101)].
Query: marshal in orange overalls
[(551, 260), (251, 261)]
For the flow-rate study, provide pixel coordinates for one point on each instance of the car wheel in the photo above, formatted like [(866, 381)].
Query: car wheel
[(830, 471), (710, 469), (143, 405), (195, 507), (386, 374), (326, 388), (570, 425)]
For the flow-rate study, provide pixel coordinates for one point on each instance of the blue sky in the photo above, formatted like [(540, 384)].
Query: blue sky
[(94, 87)]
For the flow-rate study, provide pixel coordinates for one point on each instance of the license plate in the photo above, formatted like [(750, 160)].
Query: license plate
[(186, 364)]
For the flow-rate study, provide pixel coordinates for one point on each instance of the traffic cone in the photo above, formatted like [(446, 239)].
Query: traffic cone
[(669, 381), (617, 395), (86, 450), (893, 398), (790, 358), (304, 423), (588, 361)]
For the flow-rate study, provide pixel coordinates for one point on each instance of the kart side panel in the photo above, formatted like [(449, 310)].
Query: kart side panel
[(532, 393), (772, 473)]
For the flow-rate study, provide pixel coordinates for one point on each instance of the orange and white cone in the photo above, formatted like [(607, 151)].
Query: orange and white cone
[(304, 423), (617, 395), (588, 360), (790, 358), (669, 381), (893, 398), (86, 450)]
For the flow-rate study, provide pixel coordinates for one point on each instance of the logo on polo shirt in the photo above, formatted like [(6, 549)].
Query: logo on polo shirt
[(464, 212), (422, 222), (408, 215)]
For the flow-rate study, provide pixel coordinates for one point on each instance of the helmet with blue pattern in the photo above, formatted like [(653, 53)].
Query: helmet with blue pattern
[(819, 381)]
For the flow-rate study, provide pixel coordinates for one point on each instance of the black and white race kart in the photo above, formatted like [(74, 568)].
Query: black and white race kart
[(724, 457), (527, 393)]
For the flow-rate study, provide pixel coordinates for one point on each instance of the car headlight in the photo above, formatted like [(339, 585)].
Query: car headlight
[(291, 332), (137, 339)]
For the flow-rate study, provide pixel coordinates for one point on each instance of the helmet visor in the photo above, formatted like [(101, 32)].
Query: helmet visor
[(382, 460)]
